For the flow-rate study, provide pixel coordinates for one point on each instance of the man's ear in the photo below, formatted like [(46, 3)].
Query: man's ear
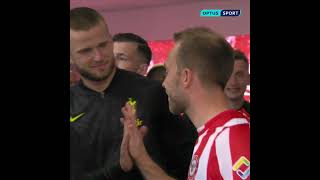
[(71, 61), (187, 76), (143, 68)]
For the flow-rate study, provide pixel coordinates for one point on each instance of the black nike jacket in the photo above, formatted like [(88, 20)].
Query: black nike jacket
[(96, 130)]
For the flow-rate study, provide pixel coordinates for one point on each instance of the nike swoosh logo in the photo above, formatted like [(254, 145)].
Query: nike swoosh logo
[(73, 119)]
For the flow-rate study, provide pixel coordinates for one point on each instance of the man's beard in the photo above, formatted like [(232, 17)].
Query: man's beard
[(93, 77), (176, 104)]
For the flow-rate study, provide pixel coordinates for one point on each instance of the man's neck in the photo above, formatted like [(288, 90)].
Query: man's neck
[(206, 107), (99, 86), (236, 103)]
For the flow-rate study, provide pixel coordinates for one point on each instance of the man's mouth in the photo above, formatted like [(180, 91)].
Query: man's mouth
[(233, 89), (100, 65)]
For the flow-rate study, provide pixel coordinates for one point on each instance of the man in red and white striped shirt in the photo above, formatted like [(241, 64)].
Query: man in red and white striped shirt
[(198, 69)]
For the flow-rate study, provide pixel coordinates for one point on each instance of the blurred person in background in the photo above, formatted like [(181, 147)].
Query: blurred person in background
[(132, 52), (237, 84)]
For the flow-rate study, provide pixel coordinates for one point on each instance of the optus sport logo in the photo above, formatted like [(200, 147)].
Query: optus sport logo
[(219, 12)]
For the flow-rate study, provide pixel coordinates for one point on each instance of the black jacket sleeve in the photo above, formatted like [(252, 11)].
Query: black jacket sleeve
[(176, 135), (78, 154)]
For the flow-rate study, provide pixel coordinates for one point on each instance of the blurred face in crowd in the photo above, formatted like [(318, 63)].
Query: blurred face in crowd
[(128, 57), (91, 52), (240, 78)]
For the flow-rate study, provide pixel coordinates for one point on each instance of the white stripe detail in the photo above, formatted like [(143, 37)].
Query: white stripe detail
[(200, 128), (224, 154), (236, 121), (204, 158), (199, 142)]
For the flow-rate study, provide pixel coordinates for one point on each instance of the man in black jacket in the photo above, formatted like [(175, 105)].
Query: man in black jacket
[(95, 109), (237, 84)]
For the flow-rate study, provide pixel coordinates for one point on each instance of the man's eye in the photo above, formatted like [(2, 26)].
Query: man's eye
[(240, 74), (85, 51), (102, 45), (121, 58)]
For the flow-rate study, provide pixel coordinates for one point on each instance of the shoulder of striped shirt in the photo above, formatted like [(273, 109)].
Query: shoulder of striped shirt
[(236, 121)]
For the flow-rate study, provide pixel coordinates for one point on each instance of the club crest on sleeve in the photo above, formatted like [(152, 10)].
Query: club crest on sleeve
[(193, 167)]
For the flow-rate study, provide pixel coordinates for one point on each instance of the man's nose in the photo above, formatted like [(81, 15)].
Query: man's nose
[(97, 54), (233, 80)]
